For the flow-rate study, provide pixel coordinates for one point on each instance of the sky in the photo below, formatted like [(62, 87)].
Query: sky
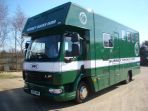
[(132, 13)]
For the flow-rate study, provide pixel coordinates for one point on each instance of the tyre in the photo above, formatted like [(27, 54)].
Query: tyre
[(127, 80), (82, 92)]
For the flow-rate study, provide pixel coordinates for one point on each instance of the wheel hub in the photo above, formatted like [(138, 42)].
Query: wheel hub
[(83, 92)]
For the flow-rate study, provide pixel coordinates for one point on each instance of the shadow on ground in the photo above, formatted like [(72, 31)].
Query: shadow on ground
[(17, 100)]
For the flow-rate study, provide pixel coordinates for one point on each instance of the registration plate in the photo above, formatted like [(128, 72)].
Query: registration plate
[(37, 93)]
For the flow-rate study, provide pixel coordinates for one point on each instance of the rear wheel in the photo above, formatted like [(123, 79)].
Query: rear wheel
[(129, 77), (127, 80), (82, 92)]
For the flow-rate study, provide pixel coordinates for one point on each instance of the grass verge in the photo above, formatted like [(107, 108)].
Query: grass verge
[(9, 75)]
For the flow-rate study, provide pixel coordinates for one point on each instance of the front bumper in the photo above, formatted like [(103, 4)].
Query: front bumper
[(44, 92)]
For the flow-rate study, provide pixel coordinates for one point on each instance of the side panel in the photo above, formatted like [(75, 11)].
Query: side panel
[(102, 53), (119, 59), (114, 59)]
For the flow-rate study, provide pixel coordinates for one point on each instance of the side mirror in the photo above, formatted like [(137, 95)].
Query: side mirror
[(75, 37), (75, 50), (26, 47), (27, 44)]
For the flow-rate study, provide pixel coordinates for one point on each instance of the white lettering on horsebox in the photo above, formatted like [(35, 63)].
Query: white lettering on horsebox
[(121, 60), (42, 25)]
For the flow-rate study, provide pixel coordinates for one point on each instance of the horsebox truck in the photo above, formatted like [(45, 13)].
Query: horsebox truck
[(74, 52)]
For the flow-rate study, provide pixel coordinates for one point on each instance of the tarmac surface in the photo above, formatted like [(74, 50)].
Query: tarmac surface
[(128, 97)]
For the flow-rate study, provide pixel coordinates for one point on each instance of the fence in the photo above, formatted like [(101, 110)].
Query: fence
[(11, 61)]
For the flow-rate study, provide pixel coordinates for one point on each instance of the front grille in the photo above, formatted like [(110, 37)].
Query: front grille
[(38, 78)]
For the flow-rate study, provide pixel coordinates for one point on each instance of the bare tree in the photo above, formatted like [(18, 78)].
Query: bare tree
[(3, 23), (18, 22)]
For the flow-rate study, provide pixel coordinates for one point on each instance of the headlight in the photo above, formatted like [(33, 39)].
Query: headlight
[(55, 91)]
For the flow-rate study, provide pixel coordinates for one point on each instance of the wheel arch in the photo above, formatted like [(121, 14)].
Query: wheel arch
[(85, 79)]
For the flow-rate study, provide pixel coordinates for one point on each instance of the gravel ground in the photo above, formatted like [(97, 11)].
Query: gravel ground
[(129, 97), (10, 75)]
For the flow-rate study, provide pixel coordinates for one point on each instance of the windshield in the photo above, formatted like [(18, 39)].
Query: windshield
[(46, 47)]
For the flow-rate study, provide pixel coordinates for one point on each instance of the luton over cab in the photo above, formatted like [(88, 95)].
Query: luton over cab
[(74, 52)]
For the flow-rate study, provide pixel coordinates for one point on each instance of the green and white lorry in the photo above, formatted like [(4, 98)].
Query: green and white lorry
[(74, 52)]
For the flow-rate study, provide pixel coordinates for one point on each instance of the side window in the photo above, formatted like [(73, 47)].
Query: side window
[(128, 36), (107, 40), (132, 37), (136, 37), (123, 34), (68, 45), (116, 35), (72, 44)]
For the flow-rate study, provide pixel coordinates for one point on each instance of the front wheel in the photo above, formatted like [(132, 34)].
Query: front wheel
[(82, 92)]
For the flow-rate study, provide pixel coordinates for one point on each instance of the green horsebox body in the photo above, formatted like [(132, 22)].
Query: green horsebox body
[(109, 51)]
